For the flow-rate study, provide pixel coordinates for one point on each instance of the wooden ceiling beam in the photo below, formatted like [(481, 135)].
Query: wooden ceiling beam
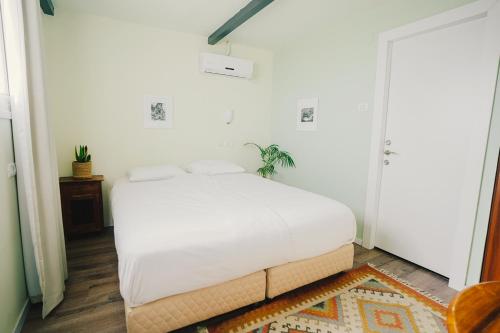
[(238, 19), (47, 7)]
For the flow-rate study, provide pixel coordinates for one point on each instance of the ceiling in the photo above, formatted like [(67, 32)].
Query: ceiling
[(275, 26)]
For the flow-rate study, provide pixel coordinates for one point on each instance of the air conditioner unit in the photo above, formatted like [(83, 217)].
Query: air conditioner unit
[(224, 65)]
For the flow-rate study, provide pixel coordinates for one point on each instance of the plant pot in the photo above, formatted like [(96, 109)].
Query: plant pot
[(82, 170)]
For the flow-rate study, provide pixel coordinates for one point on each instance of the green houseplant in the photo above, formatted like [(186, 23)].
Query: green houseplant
[(272, 156), (82, 166)]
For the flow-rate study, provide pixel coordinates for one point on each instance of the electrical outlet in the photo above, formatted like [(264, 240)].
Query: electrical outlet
[(11, 170)]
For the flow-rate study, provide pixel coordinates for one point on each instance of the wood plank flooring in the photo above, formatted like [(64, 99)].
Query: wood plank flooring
[(93, 303)]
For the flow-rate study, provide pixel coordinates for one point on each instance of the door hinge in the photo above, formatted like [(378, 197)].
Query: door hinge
[(11, 170)]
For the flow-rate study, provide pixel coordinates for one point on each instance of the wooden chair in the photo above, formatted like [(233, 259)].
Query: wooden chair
[(476, 309)]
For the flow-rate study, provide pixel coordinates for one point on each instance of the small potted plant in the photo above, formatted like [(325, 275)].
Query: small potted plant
[(82, 166), (271, 156)]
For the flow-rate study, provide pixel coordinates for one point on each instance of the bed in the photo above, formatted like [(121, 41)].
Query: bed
[(195, 246)]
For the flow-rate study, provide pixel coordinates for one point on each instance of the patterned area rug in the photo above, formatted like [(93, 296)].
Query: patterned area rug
[(363, 300)]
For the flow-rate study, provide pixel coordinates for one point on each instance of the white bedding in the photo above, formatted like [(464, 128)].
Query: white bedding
[(195, 231)]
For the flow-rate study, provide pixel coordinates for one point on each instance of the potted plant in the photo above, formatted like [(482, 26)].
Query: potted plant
[(271, 156), (82, 166)]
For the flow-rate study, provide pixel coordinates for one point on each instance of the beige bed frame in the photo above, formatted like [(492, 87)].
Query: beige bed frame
[(173, 312)]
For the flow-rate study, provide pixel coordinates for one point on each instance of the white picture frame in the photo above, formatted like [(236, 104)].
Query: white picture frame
[(158, 112), (307, 114)]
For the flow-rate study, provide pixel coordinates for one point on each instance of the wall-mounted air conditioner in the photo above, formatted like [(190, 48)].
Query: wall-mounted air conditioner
[(224, 65)]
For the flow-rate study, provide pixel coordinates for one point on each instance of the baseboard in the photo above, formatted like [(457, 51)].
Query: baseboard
[(21, 319), (359, 241)]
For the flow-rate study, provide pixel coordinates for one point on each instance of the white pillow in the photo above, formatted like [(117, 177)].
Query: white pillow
[(154, 173), (213, 167)]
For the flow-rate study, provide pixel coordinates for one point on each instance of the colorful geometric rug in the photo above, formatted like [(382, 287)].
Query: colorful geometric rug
[(365, 299)]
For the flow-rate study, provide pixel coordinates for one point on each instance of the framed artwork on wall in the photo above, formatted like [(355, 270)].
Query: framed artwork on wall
[(307, 114), (158, 112)]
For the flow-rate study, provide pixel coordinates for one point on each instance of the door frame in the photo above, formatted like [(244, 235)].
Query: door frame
[(470, 194), (5, 112)]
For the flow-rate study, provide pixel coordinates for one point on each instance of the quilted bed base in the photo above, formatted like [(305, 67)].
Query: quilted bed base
[(281, 279), (173, 312)]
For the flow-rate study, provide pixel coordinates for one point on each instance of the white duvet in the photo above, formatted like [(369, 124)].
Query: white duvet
[(195, 231)]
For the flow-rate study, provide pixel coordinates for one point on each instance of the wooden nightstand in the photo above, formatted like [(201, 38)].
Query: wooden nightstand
[(81, 201)]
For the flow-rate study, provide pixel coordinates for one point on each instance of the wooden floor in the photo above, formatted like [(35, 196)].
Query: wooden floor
[(93, 303)]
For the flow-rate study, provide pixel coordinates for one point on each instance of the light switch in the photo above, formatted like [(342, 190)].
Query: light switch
[(363, 107), (226, 144), (11, 170)]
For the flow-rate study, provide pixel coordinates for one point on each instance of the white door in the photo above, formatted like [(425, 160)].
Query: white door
[(434, 91)]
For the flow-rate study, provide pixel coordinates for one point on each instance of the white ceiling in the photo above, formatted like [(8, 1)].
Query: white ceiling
[(276, 25), (279, 24)]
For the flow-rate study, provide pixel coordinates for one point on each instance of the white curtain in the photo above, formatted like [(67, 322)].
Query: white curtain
[(38, 188)]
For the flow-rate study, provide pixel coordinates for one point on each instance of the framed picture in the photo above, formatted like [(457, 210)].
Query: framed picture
[(307, 114), (158, 112)]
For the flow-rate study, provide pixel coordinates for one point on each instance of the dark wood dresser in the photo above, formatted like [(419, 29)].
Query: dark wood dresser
[(81, 201), (491, 261)]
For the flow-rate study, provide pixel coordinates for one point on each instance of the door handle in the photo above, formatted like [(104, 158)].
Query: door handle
[(388, 152)]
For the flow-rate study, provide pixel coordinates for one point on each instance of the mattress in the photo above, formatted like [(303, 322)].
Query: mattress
[(196, 231)]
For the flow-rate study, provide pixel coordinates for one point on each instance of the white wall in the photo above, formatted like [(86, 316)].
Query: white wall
[(12, 284), (99, 70), (337, 64)]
